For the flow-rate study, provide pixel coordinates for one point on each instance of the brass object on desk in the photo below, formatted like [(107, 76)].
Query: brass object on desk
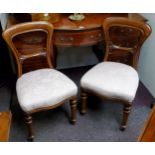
[(76, 17), (50, 17)]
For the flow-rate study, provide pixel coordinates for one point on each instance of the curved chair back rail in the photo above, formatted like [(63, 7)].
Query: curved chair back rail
[(22, 37), (135, 31)]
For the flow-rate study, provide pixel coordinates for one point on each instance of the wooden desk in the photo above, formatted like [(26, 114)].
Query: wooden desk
[(87, 32), (75, 33)]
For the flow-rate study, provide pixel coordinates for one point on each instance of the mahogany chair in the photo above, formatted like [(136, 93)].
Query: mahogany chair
[(41, 89), (114, 80)]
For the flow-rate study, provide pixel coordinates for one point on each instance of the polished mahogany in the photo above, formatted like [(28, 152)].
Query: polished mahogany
[(74, 33)]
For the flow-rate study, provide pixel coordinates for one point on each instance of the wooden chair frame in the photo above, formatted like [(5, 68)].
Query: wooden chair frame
[(27, 27), (145, 31)]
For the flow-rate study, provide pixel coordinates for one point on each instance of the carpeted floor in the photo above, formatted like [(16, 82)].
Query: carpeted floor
[(101, 123)]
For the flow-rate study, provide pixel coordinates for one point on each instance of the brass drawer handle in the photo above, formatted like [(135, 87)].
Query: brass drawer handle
[(99, 35), (71, 39), (130, 30), (92, 36), (62, 38)]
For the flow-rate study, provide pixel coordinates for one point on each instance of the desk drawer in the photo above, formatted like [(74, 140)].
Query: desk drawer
[(77, 38)]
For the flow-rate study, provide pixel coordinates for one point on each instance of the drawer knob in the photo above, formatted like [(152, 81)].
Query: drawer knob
[(130, 30), (99, 35), (92, 36), (62, 38), (71, 38)]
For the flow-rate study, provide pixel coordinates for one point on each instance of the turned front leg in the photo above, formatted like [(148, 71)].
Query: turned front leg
[(73, 105), (84, 97), (28, 119), (126, 112)]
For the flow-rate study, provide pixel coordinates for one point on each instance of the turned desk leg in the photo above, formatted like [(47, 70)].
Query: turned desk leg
[(73, 105), (126, 112), (28, 119), (84, 97)]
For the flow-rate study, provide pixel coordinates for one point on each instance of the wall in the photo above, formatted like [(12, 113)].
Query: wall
[(147, 57), (3, 19)]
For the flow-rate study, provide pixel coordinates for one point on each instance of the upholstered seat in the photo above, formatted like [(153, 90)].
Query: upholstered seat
[(113, 80), (43, 88)]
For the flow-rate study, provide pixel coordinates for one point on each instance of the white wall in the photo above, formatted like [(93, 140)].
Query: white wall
[(147, 57), (3, 19)]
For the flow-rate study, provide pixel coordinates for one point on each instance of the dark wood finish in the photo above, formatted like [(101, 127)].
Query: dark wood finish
[(79, 38), (29, 41), (30, 136), (84, 97), (67, 33), (5, 124), (124, 37), (92, 20), (148, 132), (73, 105), (76, 33), (138, 32), (126, 112)]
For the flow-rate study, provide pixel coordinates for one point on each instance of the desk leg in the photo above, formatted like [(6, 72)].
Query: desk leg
[(99, 49), (54, 56)]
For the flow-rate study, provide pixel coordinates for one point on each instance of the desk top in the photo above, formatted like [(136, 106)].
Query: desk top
[(92, 20)]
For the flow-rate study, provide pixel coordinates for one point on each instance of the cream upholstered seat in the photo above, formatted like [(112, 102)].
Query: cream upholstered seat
[(113, 80), (43, 88)]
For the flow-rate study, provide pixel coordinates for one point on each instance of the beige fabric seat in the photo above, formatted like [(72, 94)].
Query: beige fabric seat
[(43, 88), (113, 80)]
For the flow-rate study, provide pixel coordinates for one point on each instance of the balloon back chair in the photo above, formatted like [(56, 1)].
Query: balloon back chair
[(40, 89), (114, 80)]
